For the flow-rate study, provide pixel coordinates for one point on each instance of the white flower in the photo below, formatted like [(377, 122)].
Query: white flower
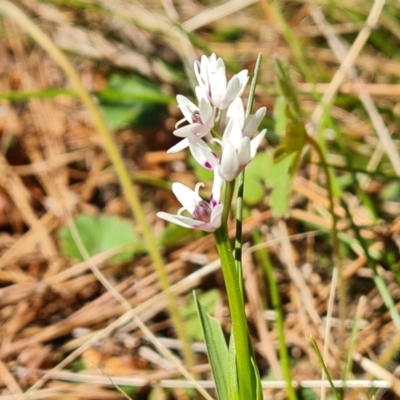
[(203, 153), (237, 148), (211, 77), (201, 120), (206, 215)]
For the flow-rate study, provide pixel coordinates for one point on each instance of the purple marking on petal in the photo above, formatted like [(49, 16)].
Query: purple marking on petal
[(196, 119), (202, 212), (207, 165), (213, 203)]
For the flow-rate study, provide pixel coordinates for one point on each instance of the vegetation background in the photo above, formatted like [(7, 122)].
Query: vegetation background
[(84, 312)]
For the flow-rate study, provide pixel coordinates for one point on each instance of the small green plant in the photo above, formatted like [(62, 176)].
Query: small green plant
[(131, 100), (100, 233)]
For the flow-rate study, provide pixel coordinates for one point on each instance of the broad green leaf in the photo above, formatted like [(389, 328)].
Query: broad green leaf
[(118, 115), (189, 312), (254, 187), (278, 178), (131, 100), (216, 348), (173, 235), (233, 378), (137, 114), (100, 233), (132, 88), (295, 137)]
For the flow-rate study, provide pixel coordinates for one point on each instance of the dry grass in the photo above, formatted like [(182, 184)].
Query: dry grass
[(53, 165)]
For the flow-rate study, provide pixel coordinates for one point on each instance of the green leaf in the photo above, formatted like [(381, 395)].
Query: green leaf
[(131, 100), (216, 348), (295, 137), (257, 380), (233, 379), (307, 394), (254, 187), (118, 115), (98, 234), (189, 312), (278, 178), (228, 34), (131, 89), (325, 368), (279, 115), (391, 192), (173, 235), (287, 90), (295, 134)]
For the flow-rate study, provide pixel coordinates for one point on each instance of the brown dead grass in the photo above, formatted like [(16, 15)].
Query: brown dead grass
[(52, 161)]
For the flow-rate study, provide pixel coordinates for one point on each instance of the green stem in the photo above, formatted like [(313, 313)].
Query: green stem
[(229, 188), (236, 306), (109, 144)]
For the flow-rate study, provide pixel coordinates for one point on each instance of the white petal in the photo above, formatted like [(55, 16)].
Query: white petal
[(233, 133), (218, 86), (215, 63), (229, 165), (191, 130), (253, 121), (207, 113), (216, 190), (218, 63), (204, 71), (202, 153), (243, 152), (231, 93), (236, 108), (207, 227), (186, 196), (243, 77), (200, 93), (197, 69), (183, 144), (255, 143), (223, 122), (216, 215), (180, 220), (186, 106)]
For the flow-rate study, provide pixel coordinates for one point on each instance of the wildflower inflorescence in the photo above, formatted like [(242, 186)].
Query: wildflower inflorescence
[(219, 137)]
